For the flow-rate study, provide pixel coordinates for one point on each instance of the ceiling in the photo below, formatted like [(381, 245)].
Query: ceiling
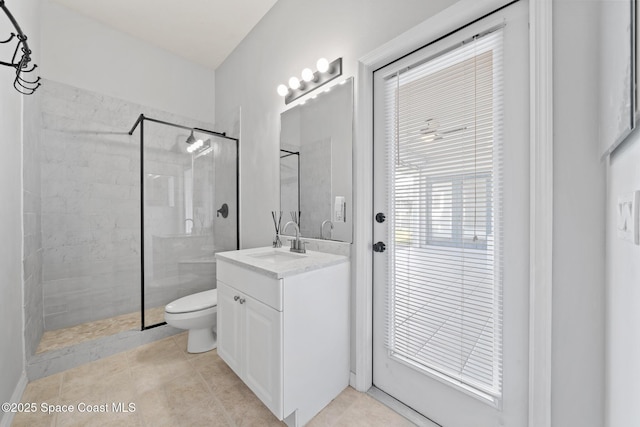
[(202, 31)]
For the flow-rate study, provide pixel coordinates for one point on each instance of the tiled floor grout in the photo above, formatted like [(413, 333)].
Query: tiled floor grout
[(218, 403), (174, 388)]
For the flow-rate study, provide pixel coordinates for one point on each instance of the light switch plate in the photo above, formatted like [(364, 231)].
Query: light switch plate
[(627, 213)]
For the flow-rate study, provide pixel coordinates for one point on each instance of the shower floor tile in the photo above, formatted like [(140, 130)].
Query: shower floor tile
[(160, 384), (66, 337)]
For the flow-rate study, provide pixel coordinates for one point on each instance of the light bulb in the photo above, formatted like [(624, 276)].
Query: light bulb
[(294, 83), (283, 90), (307, 75), (322, 65)]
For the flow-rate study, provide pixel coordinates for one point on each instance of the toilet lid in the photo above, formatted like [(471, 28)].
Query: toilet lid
[(195, 302)]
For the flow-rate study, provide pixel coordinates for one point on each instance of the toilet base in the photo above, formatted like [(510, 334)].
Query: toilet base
[(201, 340)]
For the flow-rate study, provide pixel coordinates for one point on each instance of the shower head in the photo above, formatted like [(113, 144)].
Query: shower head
[(190, 139)]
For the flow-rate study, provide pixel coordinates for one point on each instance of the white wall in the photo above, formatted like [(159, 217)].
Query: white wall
[(622, 370), (87, 54), (578, 220), (11, 299), (32, 210), (292, 36), (623, 295), (11, 350)]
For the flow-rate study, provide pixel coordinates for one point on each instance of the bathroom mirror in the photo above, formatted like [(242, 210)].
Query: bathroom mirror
[(316, 162), (619, 110)]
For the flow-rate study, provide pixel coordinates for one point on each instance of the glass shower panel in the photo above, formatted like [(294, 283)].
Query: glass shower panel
[(225, 181), (190, 196)]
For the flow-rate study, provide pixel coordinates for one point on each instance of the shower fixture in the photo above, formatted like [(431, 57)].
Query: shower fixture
[(190, 139), (224, 210), (25, 87)]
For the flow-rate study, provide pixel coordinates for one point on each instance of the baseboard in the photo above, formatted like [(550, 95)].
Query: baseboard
[(352, 380), (16, 397)]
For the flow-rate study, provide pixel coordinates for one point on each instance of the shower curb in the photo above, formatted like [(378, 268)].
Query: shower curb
[(55, 361)]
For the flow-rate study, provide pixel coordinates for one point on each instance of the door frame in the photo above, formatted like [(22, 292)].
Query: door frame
[(541, 186)]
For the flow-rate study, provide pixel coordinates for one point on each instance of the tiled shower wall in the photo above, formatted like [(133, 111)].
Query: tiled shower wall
[(32, 240), (90, 187)]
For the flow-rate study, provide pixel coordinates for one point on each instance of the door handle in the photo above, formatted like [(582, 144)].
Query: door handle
[(379, 247)]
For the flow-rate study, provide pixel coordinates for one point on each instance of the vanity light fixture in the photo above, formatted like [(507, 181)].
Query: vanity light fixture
[(283, 90), (322, 65), (294, 83), (196, 145), (206, 149), (307, 75), (326, 71)]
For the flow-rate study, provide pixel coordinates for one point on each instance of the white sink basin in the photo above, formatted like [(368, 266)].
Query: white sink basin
[(276, 256), (279, 263)]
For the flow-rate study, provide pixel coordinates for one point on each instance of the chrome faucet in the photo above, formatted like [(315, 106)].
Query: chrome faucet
[(297, 245), (322, 228)]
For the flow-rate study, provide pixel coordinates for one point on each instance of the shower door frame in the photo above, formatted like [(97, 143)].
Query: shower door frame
[(140, 122)]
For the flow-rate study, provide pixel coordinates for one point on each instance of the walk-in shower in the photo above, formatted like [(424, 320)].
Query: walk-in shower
[(121, 216), (188, 210), (131, 219)]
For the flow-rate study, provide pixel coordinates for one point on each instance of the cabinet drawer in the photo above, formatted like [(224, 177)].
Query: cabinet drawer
[(265, 289)]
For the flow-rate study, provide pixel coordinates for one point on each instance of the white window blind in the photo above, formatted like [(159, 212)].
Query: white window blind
[(444, 121)]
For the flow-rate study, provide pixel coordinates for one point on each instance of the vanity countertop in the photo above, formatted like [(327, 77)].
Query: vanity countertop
[(279, 263)]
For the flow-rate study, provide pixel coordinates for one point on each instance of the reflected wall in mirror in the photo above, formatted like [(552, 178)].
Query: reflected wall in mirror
[(316, 162), (618, 68)]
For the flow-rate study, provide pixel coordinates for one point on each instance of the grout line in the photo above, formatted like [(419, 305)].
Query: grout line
[(346, 410), (217, 401), (54, 419)]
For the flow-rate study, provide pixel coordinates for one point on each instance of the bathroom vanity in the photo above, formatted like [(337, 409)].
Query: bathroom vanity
[(283, 327)]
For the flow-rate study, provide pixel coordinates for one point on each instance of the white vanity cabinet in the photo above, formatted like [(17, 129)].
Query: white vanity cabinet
[(283, 327), (250, 341)]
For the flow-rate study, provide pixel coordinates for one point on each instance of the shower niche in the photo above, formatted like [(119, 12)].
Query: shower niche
[(188, 175)]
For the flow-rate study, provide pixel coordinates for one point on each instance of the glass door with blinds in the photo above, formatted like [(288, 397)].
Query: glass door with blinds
[(451, 263)]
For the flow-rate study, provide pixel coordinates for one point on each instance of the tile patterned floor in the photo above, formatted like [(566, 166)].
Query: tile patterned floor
[(53, 340), (170, 387)]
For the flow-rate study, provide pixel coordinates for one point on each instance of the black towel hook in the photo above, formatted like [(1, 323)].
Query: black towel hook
[(22, 67)]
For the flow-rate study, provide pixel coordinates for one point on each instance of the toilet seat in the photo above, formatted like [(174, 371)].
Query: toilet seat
[(197, 313), (194, 302)]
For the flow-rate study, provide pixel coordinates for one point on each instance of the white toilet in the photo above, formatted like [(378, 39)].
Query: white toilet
[(197, 313)]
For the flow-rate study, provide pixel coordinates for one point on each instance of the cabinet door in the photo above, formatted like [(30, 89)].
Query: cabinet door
[(229, 327), (263, 353)]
